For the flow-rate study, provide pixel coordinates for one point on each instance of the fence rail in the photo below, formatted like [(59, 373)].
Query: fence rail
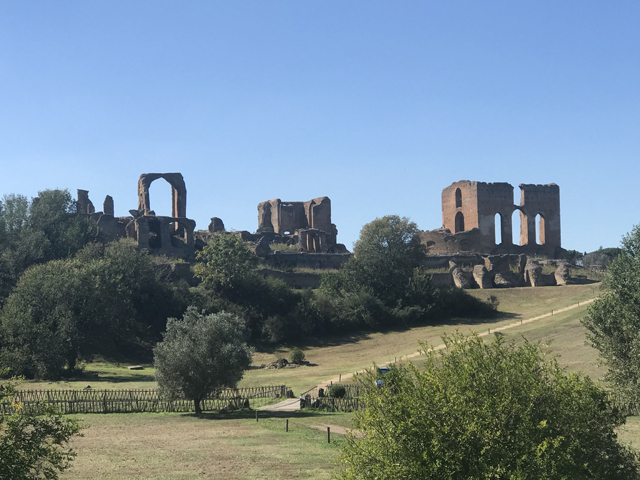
[(352, 390), (133, 401)]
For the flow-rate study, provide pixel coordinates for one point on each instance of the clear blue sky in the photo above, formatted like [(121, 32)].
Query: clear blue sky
[(377, 104)]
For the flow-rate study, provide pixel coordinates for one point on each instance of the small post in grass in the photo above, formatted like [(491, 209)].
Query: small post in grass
[(286, 428), (340, 378), (256, 415), (328, 434)]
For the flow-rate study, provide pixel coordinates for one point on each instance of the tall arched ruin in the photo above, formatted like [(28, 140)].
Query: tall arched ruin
[(469, 219)]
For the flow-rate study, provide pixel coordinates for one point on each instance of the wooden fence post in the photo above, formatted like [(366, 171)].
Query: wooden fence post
[(328, 434), (286, 428)]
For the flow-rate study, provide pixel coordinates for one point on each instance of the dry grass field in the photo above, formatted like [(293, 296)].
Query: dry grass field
[(175, 446)]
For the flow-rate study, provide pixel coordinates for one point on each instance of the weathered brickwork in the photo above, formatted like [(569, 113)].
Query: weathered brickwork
[(469, 212)]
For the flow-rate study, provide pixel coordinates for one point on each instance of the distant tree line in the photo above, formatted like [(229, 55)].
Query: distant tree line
[(66, 297)]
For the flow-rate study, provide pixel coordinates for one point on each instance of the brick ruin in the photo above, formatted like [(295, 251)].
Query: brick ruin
[(304, 225), (470, 209), (171, 236), (465, 245)]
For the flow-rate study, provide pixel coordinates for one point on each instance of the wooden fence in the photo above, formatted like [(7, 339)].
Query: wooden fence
[(351, 390), (133, 401), (333, 404)]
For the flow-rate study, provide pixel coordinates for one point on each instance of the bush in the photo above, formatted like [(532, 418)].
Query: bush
[(337, 391), (481, 411), (297, 356)]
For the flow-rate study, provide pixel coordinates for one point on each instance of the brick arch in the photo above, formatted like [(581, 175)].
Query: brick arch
[(178, 193)]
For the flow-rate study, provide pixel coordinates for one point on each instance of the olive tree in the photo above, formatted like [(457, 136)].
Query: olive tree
[(200, 355), (480, 411)]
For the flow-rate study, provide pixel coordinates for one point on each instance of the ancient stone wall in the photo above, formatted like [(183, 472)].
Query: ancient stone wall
[(291, 260)]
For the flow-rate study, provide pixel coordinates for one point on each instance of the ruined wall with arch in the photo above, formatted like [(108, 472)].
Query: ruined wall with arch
[(487, 207)]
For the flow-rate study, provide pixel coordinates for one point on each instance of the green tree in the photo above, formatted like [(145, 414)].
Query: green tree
[(200, 355), (486, 411), (385, 257), (613, 320), (101, 301), (226, 261), (33, 441), (31, 233)]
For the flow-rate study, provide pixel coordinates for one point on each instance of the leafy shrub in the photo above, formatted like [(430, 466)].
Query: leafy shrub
[(487, 410), (337, 391), (297, 356)]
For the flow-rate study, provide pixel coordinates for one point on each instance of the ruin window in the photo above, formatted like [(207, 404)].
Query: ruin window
[(516, 226), (458, 198), (459, 222), (498, 229), (160, 198), (540, 227)]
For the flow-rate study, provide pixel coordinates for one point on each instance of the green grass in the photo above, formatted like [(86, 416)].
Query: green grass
[(283, 247), (175, 446)]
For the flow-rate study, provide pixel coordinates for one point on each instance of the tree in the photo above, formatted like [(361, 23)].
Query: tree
[(31, 233), (102, 300), (33, 442), (481, 411), (385, 257), (225, 261), (200, 355), (613, 320)]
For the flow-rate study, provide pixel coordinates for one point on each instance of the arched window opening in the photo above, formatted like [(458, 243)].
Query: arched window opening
[(498, 229), (160, 199), (516, 227), (540, 227), (458, 198), (459, 222)]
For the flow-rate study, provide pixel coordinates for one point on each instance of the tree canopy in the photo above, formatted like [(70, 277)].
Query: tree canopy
[(37, 231), (63, 311), (225, 262), (200, 355), (480, 411), (613, 320), (385, 257)]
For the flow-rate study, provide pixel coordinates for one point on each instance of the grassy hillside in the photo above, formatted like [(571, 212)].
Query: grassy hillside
[(347, 353)]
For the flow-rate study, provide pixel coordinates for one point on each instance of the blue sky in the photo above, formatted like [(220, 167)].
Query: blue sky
[(377, 104)]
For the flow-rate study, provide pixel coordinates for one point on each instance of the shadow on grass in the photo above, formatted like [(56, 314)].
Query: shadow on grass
[(334, 340), (248, 413), (115, 379)]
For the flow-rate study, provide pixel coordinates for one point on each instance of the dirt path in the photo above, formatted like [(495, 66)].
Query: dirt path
[(344, 376), (335, 429), (288, 405)]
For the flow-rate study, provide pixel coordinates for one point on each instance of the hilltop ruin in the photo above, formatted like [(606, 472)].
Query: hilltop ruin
[(469, 211)]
